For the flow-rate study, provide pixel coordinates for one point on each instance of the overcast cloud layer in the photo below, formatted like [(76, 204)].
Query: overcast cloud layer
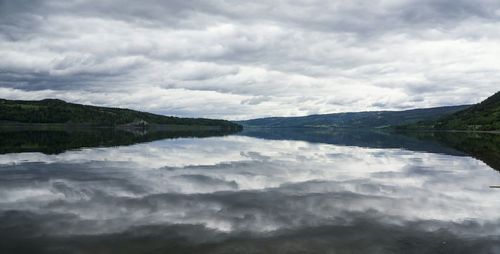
[(244, 59)]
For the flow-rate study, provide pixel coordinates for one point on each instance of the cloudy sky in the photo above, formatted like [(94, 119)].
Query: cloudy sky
[(244, 59)]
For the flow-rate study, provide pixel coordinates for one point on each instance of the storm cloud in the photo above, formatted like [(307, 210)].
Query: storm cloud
[(240, 59)]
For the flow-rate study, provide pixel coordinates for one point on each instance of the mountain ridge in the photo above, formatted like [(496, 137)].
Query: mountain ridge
[(365, 119)]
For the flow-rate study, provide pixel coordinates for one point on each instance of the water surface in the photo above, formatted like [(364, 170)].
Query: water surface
[(257, 192)]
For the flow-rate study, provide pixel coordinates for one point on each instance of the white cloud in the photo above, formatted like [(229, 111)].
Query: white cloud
[(256, 59)]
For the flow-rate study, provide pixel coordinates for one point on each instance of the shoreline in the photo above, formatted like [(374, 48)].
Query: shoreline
[(389, 129), (73, 126)]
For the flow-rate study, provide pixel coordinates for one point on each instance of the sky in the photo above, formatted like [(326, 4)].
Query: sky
[(246, 59)]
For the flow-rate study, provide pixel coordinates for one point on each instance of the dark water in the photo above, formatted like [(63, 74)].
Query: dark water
[(281, 191)]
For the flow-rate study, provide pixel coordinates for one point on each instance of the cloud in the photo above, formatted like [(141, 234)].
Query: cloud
[(377, 55)]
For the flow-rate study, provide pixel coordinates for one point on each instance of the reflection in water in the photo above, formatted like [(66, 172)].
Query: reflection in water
[(361, 138), (54, 140), (482, 146), (239, 194)]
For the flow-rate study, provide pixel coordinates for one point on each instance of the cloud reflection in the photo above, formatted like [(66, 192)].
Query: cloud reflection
[(230, 186)]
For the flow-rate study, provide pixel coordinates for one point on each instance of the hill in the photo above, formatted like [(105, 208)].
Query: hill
[(371, 119), (484, 116), (52, 111)]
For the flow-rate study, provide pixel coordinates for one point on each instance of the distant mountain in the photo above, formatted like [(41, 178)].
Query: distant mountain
[(52, 111), (371, 119), (484, 116)]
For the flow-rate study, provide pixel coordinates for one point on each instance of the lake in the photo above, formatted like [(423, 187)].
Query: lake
[(259, 191)]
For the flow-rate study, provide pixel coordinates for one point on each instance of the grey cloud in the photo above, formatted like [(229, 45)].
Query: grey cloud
[(256, 100), (344, 16), (257, 57)]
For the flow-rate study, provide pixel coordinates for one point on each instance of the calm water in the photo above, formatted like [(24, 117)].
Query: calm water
[(256, 192)]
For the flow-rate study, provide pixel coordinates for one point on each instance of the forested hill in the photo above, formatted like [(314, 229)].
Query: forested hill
[(484, 116), (371, 119), (58, 111)]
